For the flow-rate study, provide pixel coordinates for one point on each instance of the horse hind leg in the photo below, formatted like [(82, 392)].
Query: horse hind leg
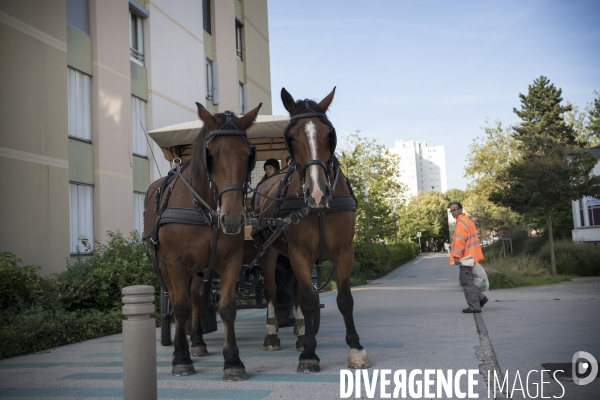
[(272, 342), (196, 335), (182, 363), (357, 356)]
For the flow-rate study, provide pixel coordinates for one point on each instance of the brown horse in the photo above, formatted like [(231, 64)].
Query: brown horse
[(218, 172), (310, 139)]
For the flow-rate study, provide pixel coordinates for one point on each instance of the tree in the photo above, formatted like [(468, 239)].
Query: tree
[(546, 173), (426, 213), (594, 120), (585, 123), (455, 196), (489, 155), (373, 173)]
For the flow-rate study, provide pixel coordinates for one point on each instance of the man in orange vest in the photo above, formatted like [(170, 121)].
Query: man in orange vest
[(465, 241)]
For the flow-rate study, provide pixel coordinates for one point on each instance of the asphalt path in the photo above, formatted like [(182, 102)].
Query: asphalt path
[(409, 320)]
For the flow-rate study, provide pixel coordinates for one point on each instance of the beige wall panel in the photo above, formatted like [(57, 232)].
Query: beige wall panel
[(113, 204), (256, 14), (241, 71), (79, 50), (33, 98), (111, 118), (176, 55), (34, 213), (258, 63), (184, 13), (81, 162), (224, 33), (49, 16)]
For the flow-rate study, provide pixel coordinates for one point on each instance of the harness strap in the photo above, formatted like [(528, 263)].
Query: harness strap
[(194, 193), (211, 259)]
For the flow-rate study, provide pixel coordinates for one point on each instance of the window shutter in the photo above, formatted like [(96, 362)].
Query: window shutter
[(78, 15), (245, 94)]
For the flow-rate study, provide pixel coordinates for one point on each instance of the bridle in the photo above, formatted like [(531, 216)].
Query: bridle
[(310, 112), (229, 128)]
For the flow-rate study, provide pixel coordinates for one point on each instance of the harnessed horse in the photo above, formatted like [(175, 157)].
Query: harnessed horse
[(196, 225), (314, 179)]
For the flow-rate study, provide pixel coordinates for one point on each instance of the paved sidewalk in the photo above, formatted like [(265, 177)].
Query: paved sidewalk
[(410, 319)]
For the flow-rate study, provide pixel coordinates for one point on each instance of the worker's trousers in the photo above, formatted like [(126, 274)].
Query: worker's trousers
[(472, 293)]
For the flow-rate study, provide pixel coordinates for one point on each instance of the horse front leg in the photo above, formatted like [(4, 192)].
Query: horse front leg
[(179, 298), (272, 342), (309, 308), (357, 356), (233, 369)]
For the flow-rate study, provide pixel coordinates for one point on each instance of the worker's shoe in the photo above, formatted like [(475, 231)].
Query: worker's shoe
[(469, 311), (483, 301)]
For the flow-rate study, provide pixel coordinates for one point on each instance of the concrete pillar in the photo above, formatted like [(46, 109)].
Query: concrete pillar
[(139, 344)]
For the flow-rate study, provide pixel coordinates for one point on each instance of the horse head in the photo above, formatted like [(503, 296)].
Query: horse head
[(310, 139), (228, 159)]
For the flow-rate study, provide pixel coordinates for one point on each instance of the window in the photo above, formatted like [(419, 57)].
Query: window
[(206, 16), (138, 126), (136, 39), (210, 86), (78, 15), (238, 38), (593, 206), (138, 212), (81, 216), (242, 98), (80, 105)]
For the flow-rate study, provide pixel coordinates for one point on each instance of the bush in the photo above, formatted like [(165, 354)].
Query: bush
[(573, 258), (37, 329), (373, 261), (96, 282), (520, 270)]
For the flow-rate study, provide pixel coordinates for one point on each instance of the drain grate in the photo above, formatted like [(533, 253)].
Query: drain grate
[(567, 371)]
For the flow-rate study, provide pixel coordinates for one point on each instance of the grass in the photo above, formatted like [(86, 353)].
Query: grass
[(521, 270)]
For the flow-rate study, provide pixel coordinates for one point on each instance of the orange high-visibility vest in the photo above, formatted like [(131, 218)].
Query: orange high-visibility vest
[(465, 240)]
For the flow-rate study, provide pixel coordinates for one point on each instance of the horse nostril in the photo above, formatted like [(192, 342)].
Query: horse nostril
[(223, 219)]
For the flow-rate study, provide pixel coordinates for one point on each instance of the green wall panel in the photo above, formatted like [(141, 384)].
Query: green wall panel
[(81, 162), (141, 174), (139, 81), (79, 50)]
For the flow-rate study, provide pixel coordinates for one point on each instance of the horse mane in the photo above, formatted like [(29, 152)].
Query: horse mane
[(198, 156)]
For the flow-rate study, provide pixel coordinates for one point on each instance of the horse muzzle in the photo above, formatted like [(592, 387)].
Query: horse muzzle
[(316, 197), (232, 225)]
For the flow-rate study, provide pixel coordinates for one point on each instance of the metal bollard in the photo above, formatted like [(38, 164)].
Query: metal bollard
[(139, 344)]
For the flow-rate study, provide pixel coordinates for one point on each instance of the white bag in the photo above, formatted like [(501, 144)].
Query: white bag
[(481, 279)]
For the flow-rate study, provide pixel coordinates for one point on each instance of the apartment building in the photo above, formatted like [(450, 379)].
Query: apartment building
[(422, 167), (83, 80)]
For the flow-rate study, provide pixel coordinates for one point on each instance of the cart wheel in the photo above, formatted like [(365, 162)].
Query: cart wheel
[(165, 319)]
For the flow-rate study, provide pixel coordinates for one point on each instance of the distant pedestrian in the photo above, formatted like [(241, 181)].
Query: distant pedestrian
[(446, 246), (465, 241)]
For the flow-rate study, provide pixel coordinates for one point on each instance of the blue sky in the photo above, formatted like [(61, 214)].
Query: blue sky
[(431, 70)]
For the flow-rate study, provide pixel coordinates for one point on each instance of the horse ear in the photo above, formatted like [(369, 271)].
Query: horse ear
[(206, 116), (247, 120), (326, 102), (288, 100)]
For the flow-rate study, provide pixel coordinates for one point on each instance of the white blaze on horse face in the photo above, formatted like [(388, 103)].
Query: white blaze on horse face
[(311, 132)]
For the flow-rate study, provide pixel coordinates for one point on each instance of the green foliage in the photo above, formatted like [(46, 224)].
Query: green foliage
[(37, 329), (96, 281), (520, 270), (426, 213), (373, 173), (81, 303), (455, 196), (373, 261), (593, 126), (573, 258)]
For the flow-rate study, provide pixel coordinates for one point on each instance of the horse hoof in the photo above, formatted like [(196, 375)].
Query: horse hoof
[(308, 367), (183, 370), (358, 359), (199, 351), (235, 374), (272, 343)]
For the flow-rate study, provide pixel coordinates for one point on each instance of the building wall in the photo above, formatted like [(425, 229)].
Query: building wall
[(422, 167), (34, 151)]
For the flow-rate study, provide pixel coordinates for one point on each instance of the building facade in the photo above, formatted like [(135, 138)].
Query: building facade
[(422, 167), (83, 81), (586, 212)]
